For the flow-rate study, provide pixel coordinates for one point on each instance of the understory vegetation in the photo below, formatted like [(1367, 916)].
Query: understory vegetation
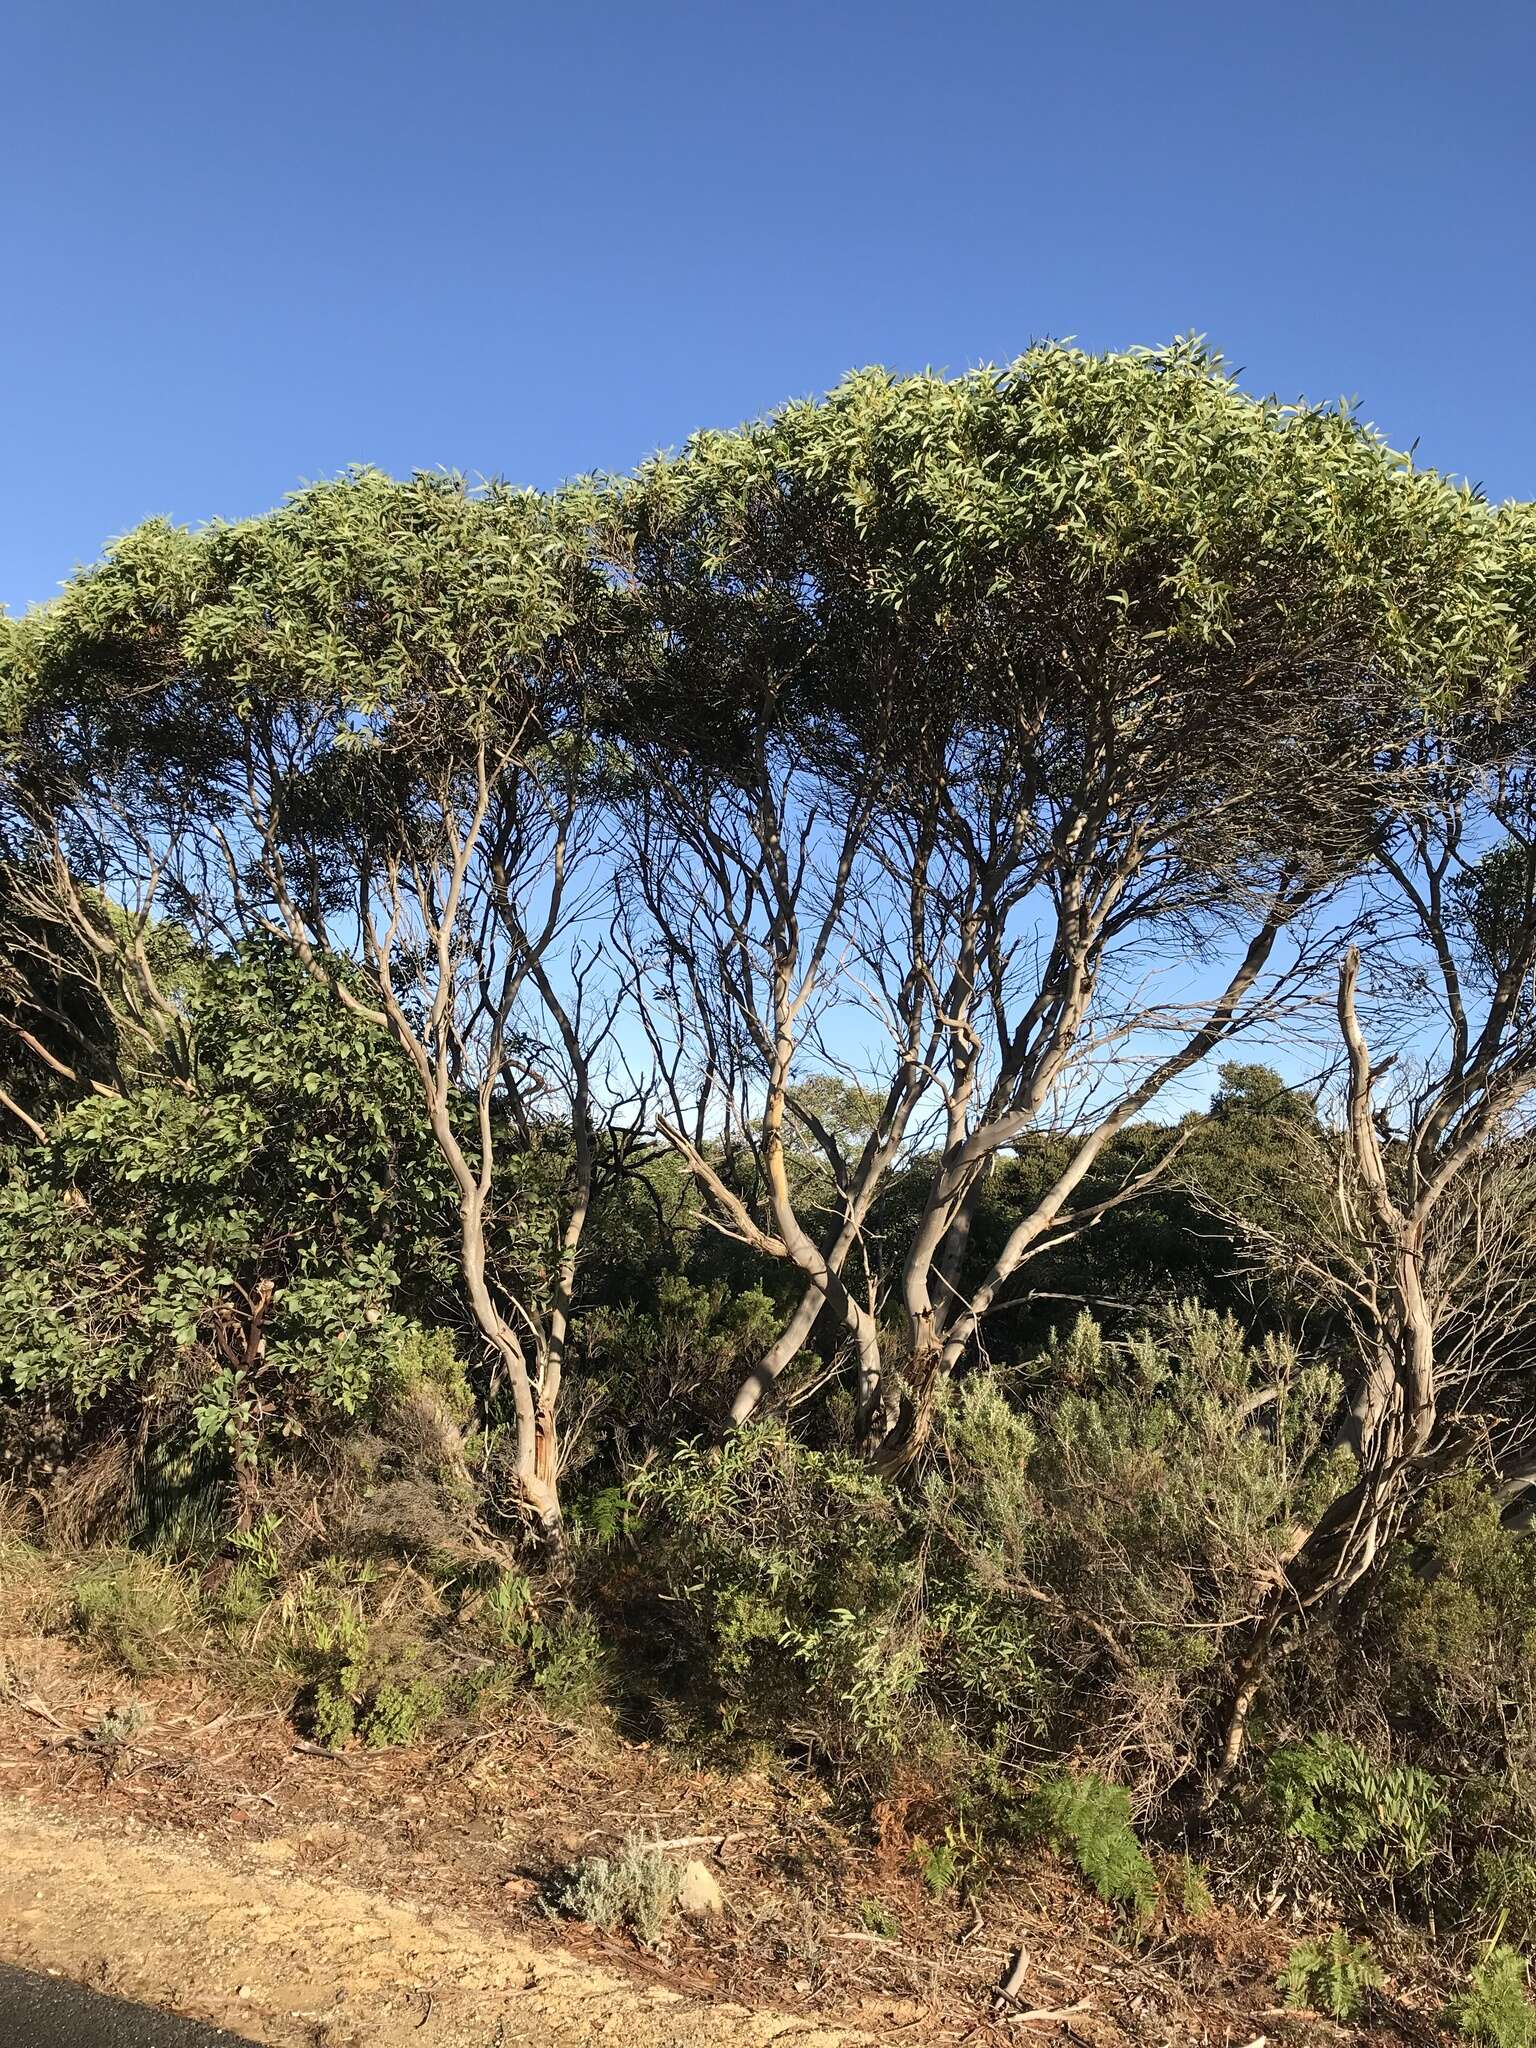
[(859, 1105)]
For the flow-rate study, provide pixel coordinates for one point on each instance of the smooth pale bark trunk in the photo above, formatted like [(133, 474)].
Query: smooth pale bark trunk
[(787, 1346), (535, 1457), (1392, 1418)]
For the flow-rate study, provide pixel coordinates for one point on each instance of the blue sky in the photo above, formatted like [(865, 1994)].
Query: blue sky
[(247, 246)]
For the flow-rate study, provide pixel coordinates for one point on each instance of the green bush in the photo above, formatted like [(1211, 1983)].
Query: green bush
[(1328, 1792), (571, 1668), (1195, 1900), (138, 1611), (397, 1714), (1457, 1629), (1140, 1517), (779, 1575), (791, 1592), (1503, 1891), (1494, 2007), (1090, 1822), (1331, 1976), (354, 1687), (299, 1175)]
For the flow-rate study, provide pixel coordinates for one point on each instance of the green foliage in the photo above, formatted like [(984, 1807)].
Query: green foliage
[(135, 1610), (258, 1549), (1504, 1890), (1129, 1495), (333, 1716), (572, 1668), (1331, 1976), (1459, 1615), (1191, 522), (1090, 1822), (1194, 1893), (1329, 1793), (938, 1865), (355, 1686), (635, 1889), (1495, 2008), (793, 1589), (670, 1356), (231, 1257), (781, 1572), (397, 1714), (960, 1862), (878, 1918), (117, 1728)]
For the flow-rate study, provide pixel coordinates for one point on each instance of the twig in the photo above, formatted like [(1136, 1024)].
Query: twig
[(36, 1705), (1014, 1977), (703, 1841)]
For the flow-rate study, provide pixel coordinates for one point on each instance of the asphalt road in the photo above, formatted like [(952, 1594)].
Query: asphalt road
[(50, 2012)]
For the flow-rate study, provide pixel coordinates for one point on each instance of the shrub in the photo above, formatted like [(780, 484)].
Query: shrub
[(1460, 1606), (1494, 2007), (1331, 1976), (1195, 1900), (1137, 1509), (1457, 1637), (354, 1686), (780, 1574), (396, 1714), (224, 1267), (1090, 1821), (665, 1368), (937, 1865), (878, 1918), (571, 1668), (1504, 1891), (136, 1610), (117, 1727), (1328, 1792), (637, 1889), (790, 1588)]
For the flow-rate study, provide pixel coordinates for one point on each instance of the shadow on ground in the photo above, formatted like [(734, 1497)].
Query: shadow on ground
[(51, 2012)]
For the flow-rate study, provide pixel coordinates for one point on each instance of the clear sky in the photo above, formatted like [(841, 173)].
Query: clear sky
[(248, 245)]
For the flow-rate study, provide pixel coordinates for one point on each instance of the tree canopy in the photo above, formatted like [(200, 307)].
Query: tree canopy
[(747, 942)]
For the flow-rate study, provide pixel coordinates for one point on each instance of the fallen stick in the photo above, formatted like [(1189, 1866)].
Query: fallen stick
[(702, 1841), (1059, 2012), (1017, 1969)]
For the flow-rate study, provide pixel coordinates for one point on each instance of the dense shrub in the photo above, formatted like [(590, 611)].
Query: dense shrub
[(1330, 1794), (1124, 1494), (1090, 1822), (225, 1261), (796, 1598), (781, 1584), (637, 1889), (1494, 2008), (1331, 1976)]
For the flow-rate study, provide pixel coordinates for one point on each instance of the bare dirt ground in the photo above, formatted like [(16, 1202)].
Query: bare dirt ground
[(215, 1865), (286, 1959)]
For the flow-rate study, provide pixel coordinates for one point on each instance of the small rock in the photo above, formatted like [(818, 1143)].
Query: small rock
[(697, 1891)]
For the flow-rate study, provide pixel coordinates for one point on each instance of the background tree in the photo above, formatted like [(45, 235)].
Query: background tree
[(355, 727)]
